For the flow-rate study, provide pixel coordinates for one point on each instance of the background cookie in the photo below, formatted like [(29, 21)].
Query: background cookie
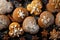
[(4, 22), (5, 7)]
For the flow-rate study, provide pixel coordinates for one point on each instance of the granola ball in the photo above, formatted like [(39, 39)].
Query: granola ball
[(15, 29), (53, 6), (5, 7), (4, 22), (57, 20), (30, 25), (19, 14), (46, 19), (35, 7)]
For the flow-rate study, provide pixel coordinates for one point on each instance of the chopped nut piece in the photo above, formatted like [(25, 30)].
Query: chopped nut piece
[(44, 33), (54, 34), (35, 37), (6, 37), (22, 38)]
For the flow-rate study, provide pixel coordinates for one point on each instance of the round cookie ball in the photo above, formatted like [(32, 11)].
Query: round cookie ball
[(19, 14), (4, 21), (53, 6), (29, 25), (57, 20), (50, 8), (46, 19), (5, 7), (15, 29)]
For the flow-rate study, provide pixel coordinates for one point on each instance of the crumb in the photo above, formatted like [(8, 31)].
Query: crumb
[(6, 37), (35, 37), (22, 38), (44, 33)]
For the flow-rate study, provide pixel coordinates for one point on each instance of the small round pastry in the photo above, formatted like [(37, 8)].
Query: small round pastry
[(35, 7), (15, 29), (46, 19), (5, 7), (4, 22), (19, 14), (57, 20), (53, 6), (30, 25)]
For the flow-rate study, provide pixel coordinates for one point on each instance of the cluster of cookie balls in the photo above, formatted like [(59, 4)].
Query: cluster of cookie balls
[(29, 23)]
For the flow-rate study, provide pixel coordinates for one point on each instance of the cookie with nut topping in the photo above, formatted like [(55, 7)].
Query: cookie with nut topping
[(46, 19), (35, 7), (19, 14), (15, 29)]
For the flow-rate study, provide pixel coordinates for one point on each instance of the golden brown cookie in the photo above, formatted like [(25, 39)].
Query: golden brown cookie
[(19, 14), (46, 19), (35, 7), (15, 29), (53, 6), (57, 20)]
